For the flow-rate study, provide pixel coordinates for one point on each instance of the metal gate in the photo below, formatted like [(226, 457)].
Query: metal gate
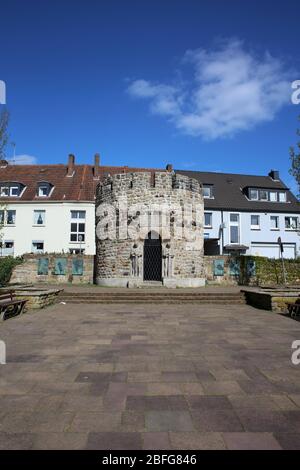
[(152, 259)]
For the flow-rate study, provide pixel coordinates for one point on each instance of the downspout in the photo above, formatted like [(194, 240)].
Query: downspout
[(222, 233)]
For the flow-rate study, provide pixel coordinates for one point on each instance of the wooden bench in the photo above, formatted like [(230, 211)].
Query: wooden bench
[(294, 308), (9, 306)]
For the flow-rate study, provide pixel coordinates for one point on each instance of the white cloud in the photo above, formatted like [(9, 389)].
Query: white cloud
[(230, 90), (23, 160)]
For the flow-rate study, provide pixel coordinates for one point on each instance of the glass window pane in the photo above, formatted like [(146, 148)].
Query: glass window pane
[(11, 217), (73, 227), (273, 196), (81, 227), (253, 194), (234, 217), (39, 218), (73, 237), (274, 221), (282, 197), (234, 234), (14, 191), (255, 220), (263, 195)]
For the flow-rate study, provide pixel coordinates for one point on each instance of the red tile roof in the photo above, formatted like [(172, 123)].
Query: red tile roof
[(79, 187)]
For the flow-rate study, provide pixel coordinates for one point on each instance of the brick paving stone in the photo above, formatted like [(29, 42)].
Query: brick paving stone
[(168, 421), (216, 420), (250, 441), (289, 441), (60, 441), (198, 402), (156, 403), (197, 440), (156, 441), (16, 441), (173, 375), (114, 441), (261, 420)]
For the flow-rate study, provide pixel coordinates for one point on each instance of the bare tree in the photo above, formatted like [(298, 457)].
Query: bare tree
[(295, 162), (4, 117)]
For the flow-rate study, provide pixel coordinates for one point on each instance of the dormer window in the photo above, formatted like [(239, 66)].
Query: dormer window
[(11, 189), (270, 195), (44, 189), (207, 191)]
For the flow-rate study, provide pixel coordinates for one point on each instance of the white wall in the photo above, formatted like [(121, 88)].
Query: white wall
[(262, 237), (56, 231)]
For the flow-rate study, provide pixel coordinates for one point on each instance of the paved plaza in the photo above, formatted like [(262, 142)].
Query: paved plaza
[(149, 377)]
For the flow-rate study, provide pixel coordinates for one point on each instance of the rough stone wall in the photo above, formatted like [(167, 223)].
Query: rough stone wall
[(121, 256), (27, 272), (267, 271)]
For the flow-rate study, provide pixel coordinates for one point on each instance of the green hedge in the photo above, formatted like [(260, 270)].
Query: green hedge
[(269, 270), (7, 265)]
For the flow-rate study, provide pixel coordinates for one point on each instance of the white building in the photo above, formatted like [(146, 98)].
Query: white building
[(247, 214)]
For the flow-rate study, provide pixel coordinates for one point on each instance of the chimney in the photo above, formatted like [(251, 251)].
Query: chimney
[(96, 165), (71, 165), (169, 167), (274, 174)]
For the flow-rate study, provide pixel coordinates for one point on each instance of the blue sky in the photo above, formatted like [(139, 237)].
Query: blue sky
[(203, 85)]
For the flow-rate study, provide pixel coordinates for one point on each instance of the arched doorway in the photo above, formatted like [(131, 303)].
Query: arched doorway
[(152, 257)]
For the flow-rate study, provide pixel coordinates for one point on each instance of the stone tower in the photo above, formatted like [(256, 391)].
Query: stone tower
[(149, 227)]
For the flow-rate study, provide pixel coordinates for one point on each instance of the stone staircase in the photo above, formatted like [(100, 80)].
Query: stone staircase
[(168, 296)]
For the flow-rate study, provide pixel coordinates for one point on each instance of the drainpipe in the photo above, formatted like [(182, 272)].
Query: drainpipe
[(222, 233)]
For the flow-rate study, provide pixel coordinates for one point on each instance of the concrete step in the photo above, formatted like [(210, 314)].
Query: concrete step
[(154, 301), (151, 297)]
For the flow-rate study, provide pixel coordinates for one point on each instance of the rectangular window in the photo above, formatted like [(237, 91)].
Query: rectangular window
[(1, 217), (207, 219), (11, 217), (282, 197), (14, 191), (234, 234), (39, 217), (234, 218), (263, 195), (37, 246), (234, 228), (4, 191), (254, 222), (291, 223), (43, 190), (253, 194), (77, 226), (207, 192), (7, 248), (273, 196), (77, 214), (274, 219)]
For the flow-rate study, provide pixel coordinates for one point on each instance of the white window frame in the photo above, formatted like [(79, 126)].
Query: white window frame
[(282, 193), (78, 219), (235, 224), (35, 242), (44, 217), (253, 198), (4, 189), (267, 195), (277, 218), (276, 196), (211, 216), (6, 217), (290, 228), (207, 187), (255, 226)]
